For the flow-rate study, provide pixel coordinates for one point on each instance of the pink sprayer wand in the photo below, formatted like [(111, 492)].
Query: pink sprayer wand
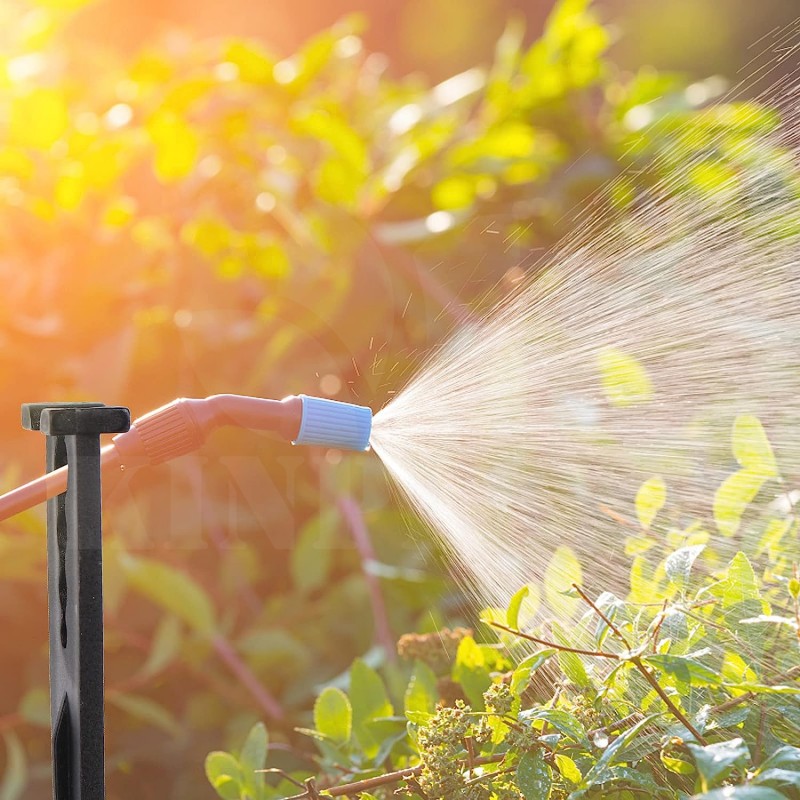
[(182, 426)]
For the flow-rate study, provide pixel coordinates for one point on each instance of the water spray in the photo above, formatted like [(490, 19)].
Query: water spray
[(72, 487)]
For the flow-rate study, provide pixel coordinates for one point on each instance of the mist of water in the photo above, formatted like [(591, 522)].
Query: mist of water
[(531, 429)]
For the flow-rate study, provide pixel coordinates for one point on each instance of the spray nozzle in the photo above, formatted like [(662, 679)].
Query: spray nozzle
[(334, 424)]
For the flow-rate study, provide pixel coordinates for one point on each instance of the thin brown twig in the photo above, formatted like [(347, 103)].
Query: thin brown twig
[(488, 776), (228, 655), (616, 516), (382, 780), (657, 629), (676, 712), (762, 718), (620, 635), (354, 519), (562, 647)]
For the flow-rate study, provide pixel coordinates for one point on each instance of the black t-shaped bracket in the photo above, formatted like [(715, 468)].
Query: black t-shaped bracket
[(75, 591)]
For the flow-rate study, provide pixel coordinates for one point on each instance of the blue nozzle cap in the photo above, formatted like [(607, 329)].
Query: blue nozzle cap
[(333, 424)]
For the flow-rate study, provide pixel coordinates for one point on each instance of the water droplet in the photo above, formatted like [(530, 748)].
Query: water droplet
[(600, 739)]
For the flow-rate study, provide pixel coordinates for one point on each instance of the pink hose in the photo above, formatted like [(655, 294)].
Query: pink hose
[(173, 430)]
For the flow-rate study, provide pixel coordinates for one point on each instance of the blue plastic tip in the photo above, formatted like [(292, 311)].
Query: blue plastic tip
[(333, 424)]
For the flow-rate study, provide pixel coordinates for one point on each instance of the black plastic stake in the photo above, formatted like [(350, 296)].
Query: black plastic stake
[(75, 591)]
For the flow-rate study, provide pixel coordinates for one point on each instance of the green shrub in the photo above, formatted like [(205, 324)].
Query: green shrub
[(688, 686)]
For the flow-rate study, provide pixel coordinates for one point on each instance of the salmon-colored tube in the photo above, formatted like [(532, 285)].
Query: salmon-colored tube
[(170, 431)]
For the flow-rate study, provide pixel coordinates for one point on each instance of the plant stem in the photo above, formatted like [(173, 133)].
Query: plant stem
[(562, 647), (676, 712), (225, 650), (354, 519), (383, 780), (619, 634)]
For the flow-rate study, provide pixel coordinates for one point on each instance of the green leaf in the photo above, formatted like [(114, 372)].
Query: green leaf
[(533, 776), (676, 765), (35, 707), (733, 496), (568, 768), (625, 381), (751, 446), (512, 614), (686, 671), (176, 144), (562, 571), (454, 192), (253, 757), (369, 701), (678, 565), (777, 777), (147, 711), (172, 590), (224, 774), (744, 792), (773, 534), (571, 663), (786, 757), (333, 715), (422, 693), (650, 500), (521, 678), (559, 719), (165, 646), (311, 557), (740, 583), (252, 61), (38, 118), (600, 768), (716, 761), (471, 671), (15, 775)]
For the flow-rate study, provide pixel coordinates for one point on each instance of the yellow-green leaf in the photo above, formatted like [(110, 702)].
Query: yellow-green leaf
[(512, 615), (422, 693), (568, 768), (751, 446), (741, 583), (624, 380), (253, 757), (454, 192), (147, 711), (224, 774), (369, 701), (177, 146), (521, 608), (650, 500), (563, 570), (38, 118), (172, 590), (733, 496), (333, 715)]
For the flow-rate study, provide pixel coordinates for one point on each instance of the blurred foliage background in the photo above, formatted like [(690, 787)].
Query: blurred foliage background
[(254, 198)]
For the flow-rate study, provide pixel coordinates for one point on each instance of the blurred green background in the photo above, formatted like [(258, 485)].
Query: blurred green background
[(253, 197), (440, 37)]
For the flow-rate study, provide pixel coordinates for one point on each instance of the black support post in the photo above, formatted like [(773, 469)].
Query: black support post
[(75, 591)]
